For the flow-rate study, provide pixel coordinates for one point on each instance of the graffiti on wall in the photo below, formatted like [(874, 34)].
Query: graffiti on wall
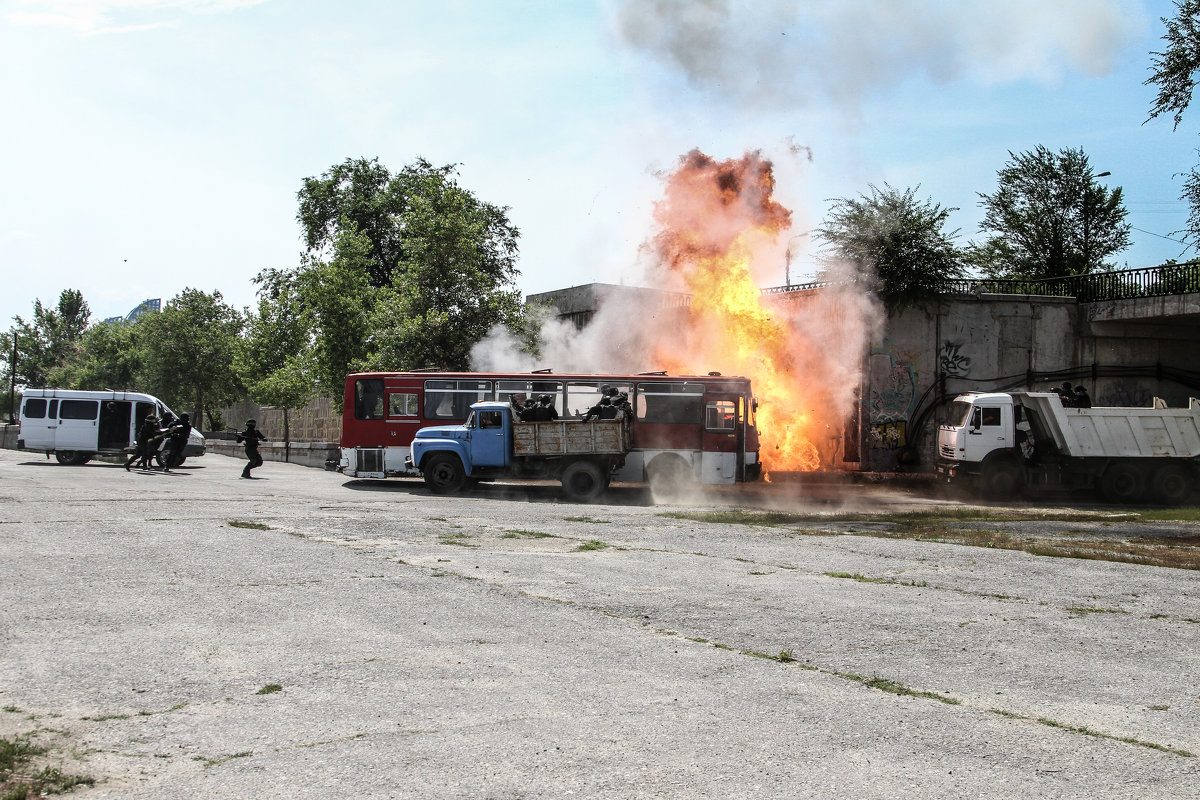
[(1120, 393), (954, 364), (893, 395)]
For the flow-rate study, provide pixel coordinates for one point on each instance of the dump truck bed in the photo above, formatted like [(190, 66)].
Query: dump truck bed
[(1118, 432), (572, 437)]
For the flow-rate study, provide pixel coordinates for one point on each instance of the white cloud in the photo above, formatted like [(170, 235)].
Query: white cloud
[(95, 17)]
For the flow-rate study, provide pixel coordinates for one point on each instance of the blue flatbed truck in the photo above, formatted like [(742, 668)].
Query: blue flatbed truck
[(492, 444)]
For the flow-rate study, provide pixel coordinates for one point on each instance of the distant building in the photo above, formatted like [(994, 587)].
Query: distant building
[(145, 307)]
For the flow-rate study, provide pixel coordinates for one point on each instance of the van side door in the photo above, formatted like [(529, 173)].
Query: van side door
[(77, 425)]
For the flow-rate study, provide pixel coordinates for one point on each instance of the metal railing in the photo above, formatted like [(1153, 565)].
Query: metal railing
[(1125, 284)]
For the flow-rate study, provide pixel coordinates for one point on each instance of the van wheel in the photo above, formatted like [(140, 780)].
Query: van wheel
[(444, 474), (1123, 483), (1172, 485), (72, 458), (1001, 480), (583, 481)]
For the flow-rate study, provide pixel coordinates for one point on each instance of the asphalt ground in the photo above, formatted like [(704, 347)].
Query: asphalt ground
[(505, 644)]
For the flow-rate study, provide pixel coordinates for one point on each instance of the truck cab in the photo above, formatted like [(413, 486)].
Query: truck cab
[(981, 439)]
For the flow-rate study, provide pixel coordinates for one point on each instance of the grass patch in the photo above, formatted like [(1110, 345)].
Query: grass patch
[(1083, 611), (212, 762), (943, 526), (253, 526), (457, 539), (532, 534), (1062, 726), (270, 688), (592, 544), (854, 576), (20, 776), (592, 520)]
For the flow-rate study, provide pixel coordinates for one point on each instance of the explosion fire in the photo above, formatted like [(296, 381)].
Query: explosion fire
[(717, 222)]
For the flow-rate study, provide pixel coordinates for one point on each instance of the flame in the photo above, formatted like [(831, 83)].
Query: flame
[(716, 222)]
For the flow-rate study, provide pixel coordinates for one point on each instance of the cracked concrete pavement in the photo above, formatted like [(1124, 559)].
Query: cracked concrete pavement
[(467, 647)]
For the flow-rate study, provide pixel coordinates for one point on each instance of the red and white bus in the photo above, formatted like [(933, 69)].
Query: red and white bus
[(686, 427)]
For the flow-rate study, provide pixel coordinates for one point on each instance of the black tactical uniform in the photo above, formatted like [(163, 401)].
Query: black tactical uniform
[(146, 436), (251, 437), (177, 439)]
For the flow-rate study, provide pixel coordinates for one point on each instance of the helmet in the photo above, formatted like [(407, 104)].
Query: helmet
[(611, 391), (604, 401), (250, 423), (184, 415), (544, 399)]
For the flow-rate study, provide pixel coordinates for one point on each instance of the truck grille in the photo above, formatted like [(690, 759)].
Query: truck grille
[(369, 460), (947, 451)]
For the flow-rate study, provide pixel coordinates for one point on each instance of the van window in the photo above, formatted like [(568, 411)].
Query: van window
[(35, 408), (78, 409)]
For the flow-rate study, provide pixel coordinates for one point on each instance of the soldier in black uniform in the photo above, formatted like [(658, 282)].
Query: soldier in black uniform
[(251, 437), (147, 434), (177, 439), (545, 411)]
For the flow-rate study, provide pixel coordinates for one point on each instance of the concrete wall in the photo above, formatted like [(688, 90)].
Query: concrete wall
[(997, 342)]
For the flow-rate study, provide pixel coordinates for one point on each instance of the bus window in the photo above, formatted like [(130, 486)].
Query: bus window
[(35, 408), (720, 415), (453, 399), (670, 402), (535, 389), (402, 404), (583, 396), (368, 398)]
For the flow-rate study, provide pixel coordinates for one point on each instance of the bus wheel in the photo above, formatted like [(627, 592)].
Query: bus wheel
[(72, 458), (1123, 483), (583, 481), (444, 474), (669, 474), (1001, 480), (1172, 485)]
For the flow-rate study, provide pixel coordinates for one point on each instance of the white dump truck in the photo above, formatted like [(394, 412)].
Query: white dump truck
[(1002, 443)]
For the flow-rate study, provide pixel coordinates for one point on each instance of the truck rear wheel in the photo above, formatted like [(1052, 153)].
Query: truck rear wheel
[(1123, 483), (669, 475), (444, 474), (583, 481), (1172, 485)]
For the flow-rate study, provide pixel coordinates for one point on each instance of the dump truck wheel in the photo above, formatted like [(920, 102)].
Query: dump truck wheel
[(1123, 483), (1172, 485), (444, 474), (72, 458), (583, 481), (1000, 480)]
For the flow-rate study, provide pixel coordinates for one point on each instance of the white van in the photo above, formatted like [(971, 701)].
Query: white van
[(77, 425)]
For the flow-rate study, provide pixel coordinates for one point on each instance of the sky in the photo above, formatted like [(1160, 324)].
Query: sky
[(154, 145)]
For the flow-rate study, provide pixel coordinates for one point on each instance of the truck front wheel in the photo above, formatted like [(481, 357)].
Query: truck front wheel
[(1000, 480), (444, 474), (583, 481)]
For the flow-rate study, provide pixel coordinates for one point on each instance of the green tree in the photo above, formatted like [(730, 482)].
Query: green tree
[(403, 271), (274, 359), (109, 355), (1173, 71), (898, 241), (189, 352), (1050, 218), (48, 341)]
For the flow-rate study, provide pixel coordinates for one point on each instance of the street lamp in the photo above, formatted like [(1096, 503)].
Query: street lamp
[(787, 267)]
